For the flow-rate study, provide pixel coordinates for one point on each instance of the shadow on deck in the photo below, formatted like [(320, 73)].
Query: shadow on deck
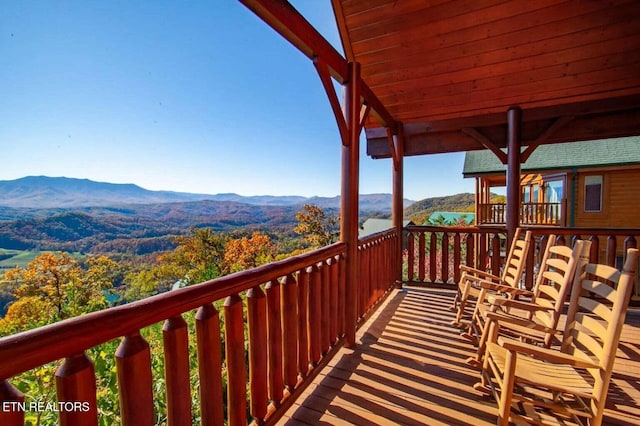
[(409, 368)]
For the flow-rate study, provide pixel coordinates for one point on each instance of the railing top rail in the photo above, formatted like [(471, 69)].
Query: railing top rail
[(467, 229), (535, 229), (24, 351), (376, 236), (541, 230)]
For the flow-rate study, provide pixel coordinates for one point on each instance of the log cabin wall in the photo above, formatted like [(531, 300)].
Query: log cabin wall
[(620, 199)]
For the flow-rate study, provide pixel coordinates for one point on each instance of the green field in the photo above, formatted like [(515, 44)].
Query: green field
[(12, 258)]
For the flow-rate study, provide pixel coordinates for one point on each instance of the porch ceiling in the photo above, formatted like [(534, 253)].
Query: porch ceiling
[(450, 70)]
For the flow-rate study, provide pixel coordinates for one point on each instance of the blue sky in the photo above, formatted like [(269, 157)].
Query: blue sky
[(195, 96)]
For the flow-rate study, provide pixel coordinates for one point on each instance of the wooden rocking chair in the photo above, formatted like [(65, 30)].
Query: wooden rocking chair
[(535, 321), (470, 284), (547, 386)]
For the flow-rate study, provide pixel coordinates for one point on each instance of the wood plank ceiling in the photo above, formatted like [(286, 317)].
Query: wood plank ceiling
[(450, 70)]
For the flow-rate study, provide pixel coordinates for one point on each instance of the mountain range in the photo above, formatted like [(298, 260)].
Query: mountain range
[(42, 192), (39, 212)]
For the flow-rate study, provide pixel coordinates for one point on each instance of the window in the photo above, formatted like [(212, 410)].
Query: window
[(592, 193)]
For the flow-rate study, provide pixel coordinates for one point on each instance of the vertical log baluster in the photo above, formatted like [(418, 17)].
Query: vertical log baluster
[(76, 384), (421, 270), (410, 257), (209, 365), (176, 371), (433, 249), (234, 354), (303, 323), (629, 242), (289, 304), (133, 363), (470, 255), (362, 276), (341, 294), (561, 240), (496, 258), (333, 305), (274, 342), (483, 261), (13, 398), (324, 318), (257, 329), (594, 253), (445, 257), (456, 257), (315, 312), (366, 281), (611, 250)]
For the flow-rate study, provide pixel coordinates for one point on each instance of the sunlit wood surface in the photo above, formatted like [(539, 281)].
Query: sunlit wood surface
[(410, 369)]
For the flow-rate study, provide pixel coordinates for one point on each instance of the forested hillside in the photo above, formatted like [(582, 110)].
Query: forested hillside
[(139, 229)]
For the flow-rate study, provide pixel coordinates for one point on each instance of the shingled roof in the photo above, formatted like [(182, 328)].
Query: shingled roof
[(596, 153)]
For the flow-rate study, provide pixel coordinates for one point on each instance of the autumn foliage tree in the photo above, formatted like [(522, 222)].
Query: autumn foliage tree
[(54, 286), (198, 257), (245, 253), (315, 226)]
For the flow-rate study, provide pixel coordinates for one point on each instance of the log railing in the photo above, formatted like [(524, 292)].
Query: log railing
[(434, 253), (530, 214), (281, 322)]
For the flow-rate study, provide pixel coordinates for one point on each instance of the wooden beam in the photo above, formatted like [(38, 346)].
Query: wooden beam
[(342, 29), (502, 156), (289, 23)]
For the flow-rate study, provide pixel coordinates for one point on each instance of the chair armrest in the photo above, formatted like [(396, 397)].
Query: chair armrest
[(549, 355), (518, 304), (479, 273), (488, 285), (511, 322)]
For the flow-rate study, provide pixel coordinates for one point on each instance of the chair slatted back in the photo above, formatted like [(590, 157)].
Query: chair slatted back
[(555, 278), (599, 302), (516, 259)]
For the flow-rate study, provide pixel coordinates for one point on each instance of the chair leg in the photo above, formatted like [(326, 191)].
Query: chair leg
[(506, 393), (482, 346)]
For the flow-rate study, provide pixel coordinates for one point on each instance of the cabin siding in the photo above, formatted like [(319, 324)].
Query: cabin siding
[(620, 200)]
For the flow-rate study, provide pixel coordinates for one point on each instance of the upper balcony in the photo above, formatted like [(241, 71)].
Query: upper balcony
[(549, 214)]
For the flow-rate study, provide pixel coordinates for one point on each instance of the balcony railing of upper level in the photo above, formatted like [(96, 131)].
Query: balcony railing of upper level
[(280, 323), (530, 214)]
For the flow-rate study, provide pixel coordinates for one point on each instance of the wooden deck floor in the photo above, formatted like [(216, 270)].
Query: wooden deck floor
[(409, 369)]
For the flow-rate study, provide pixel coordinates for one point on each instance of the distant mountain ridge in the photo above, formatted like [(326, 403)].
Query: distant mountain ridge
[(43, 192)]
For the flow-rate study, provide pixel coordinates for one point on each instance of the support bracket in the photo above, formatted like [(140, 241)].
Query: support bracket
[(553, 128), (393, 148), (486, 142), (327, 83)]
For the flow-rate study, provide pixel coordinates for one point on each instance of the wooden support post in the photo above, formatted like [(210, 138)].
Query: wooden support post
[(514, 117), (349, 199), (397, 208)]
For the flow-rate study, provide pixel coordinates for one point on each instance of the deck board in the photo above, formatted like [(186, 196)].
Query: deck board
[(409, 369)]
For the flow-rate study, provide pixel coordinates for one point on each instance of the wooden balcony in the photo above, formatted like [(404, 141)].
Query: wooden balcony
[(530, 214), (282, 334), (409, 369)]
